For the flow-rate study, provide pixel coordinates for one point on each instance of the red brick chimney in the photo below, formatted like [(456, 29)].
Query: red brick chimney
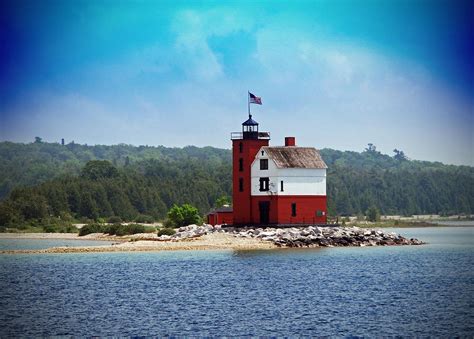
[(290, 141)]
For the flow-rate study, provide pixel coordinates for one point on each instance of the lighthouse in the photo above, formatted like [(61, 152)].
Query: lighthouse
[(245, 146), (273, 185)]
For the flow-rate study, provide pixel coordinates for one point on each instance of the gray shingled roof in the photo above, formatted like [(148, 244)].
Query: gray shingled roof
[(295, 157), (221, 209)]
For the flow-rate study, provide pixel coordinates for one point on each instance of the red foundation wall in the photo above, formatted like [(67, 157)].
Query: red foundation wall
[(280, 209), (306, 209), (225, 218), (220, 218), (273, 213)]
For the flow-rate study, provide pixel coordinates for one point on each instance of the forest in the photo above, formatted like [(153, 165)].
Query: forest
[(44, 182)]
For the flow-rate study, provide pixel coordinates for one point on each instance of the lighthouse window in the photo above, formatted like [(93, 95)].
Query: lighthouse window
[(241, 147), (293, 209), (264, 184), (263, 164), (241, 184), (241, 164), (281, 185)]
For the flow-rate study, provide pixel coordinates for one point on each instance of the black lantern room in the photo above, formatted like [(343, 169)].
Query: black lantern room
[(250, 128)]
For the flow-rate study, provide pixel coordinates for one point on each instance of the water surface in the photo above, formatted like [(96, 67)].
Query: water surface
[(373, 291), (38, 244)]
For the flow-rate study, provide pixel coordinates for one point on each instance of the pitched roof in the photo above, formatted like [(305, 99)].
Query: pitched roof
[(295, 157), (223, 209), (250, 122)]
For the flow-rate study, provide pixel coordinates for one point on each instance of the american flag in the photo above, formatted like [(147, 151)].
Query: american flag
[(255, 99)]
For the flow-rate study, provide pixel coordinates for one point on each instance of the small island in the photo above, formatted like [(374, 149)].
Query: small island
[(209, 237)]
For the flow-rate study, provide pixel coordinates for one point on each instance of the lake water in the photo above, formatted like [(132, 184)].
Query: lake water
[(372, 291), (38, 244)]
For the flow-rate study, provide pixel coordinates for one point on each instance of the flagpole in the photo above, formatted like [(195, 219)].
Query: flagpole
[(248, 103)]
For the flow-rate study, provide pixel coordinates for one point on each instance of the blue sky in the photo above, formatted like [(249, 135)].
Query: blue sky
[(336, 74)]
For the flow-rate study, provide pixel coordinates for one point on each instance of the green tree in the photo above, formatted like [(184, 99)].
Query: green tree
[(371, 148), (223, 200), (8, 214), (44, 180), (98, 169), (399, 155), (373, 214), (191, 215), (88, 207), (184, 215)]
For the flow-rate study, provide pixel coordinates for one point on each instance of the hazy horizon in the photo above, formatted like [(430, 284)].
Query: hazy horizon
[(66, 142), (334, 75)]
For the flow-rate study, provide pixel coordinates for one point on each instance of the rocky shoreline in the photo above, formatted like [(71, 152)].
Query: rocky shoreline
[(310, 236), (208, 237)]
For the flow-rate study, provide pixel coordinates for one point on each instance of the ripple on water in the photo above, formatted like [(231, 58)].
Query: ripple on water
[(38, 244), (410, 291)]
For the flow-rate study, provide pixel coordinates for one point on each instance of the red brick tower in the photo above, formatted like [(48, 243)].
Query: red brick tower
[(245, 146)]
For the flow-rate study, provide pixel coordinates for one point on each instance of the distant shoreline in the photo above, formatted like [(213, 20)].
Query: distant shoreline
[(415, 225)]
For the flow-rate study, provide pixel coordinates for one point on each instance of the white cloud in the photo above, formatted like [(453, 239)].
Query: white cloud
[(193, 30), (343, 96), (326, 93)]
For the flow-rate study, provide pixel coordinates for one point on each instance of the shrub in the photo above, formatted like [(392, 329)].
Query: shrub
[(61, 228), (143, 218), (114, 219), (68, 229), (150, 229), (24, 225), (166, 231), (373, 214), (168, 223), (92, 228), (184, 215), (120, 230), (85, 220), (134, 228), (224, 200), (113, 228)]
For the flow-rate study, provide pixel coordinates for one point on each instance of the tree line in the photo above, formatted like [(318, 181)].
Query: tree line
[(44, 181), (23, 165)]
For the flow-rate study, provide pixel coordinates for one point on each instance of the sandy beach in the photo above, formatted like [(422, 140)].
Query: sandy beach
[(214, 241), (59, 236)]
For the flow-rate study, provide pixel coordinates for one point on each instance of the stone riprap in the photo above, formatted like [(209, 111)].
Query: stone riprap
[(309, 236)]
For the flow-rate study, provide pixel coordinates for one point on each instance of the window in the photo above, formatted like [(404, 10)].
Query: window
[(319, 213), (263, 153), (241, 147), (281, 186), (264, 184), (263, 164), (241, 165), (293, 209), (241, 184)]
